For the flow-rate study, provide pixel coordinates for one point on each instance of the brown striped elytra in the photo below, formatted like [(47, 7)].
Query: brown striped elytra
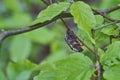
[(73, 41)]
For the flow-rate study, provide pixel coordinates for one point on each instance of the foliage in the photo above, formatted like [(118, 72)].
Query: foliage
[(42, 54), (64, 69)]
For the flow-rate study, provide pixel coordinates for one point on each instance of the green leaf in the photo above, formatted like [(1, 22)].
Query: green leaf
[(74, 67), (20, 48), (51, 11), (111, 30), (99, 20), (42, 35), (20, 70), (112, 73), (111, 56), (83, 16)]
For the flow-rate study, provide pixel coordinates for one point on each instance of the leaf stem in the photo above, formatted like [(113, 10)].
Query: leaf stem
[(105, 16), (111, 9), (88, 47), (65, 24), (105, 25), (98, 67)]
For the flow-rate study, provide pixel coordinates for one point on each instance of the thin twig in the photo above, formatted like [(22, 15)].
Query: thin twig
[(94, 46), (65, 24), (104, 25), (98, 66), (88, 47), (93, 36), (105, 16), (111, 9)]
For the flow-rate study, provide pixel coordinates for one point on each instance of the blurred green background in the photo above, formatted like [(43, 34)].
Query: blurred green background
[(46, 43)]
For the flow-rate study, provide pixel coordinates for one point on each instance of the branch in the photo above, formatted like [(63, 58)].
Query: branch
[(98, 67), (106, 11), (105, 25), (105, 16), (7, 33), (88, 48)]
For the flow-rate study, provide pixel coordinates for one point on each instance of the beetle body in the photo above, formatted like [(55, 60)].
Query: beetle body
[(73, 41)]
